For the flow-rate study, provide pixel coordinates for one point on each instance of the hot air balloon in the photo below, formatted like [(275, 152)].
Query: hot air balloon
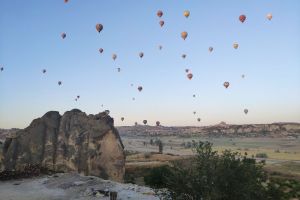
[(210, 49), (198, 119), (246, 111), (144, 121), (122, 118), (160, 13), (194, 95), (269, 16), (114, 56), (161, 23), (194, 112), (242, 18), (101, 105), (243, 76), (63, 35), (186, 13), (159, 47), (140, 88), (226, 84), (78, 96), (187, 70), (183, 56), (157, 123), (235, 45), (99, 27), (135, 123), (141, 54), (190, 76), (119, 69), (184, 35), (133, 99), (1, 69), (107, 112), (44, 71), (59, 82), (131, 84), (66, 1), (101, 50)]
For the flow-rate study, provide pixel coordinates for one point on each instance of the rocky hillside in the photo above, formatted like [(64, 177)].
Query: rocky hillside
[(87, 144), (220, 130)]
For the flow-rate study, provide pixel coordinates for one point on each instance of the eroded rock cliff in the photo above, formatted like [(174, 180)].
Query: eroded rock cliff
[(87, 144)]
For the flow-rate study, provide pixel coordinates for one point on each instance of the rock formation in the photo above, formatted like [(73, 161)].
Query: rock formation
[(87, 144)]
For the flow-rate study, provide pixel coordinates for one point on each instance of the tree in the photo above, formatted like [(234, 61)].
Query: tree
[(213, 176)]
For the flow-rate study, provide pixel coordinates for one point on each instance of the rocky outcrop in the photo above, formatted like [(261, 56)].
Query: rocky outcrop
[(87, 144)]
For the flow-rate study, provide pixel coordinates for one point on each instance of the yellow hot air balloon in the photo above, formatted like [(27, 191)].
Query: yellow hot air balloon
[(269, 16), (184, 35), (186, 13)]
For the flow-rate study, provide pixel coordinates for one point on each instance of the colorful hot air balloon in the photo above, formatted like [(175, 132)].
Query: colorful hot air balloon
[(1, 69), (198, 119), (144, 121), (101, 50), (122, 118), (157, 123), (63, 35), (184, 35), (141, 54), (186, 13), (242, 18), (66, 1), (210, 49), (246, 111), (269, 16), (226, 84), (235, 45), (44, 71), (99, 27), (59, 82), (114, 56), (190, 76), (140, 88), (161, 23), (183, 56), (160, 13)]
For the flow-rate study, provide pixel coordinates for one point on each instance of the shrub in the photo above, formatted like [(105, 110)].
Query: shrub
[(261, 155)]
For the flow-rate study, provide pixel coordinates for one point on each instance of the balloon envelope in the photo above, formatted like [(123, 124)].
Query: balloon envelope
[(242, 18), (145, 122), (190, 76), (160, 13), (63, 35), (140, 88), (184, 35), (99, 27), (269, 16), (186, 13), (161, 23), (226, 84)]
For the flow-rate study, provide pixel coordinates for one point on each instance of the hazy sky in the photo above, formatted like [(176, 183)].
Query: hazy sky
[(269, 56)]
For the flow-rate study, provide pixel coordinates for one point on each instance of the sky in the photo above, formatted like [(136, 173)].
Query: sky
[(268, 56)]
